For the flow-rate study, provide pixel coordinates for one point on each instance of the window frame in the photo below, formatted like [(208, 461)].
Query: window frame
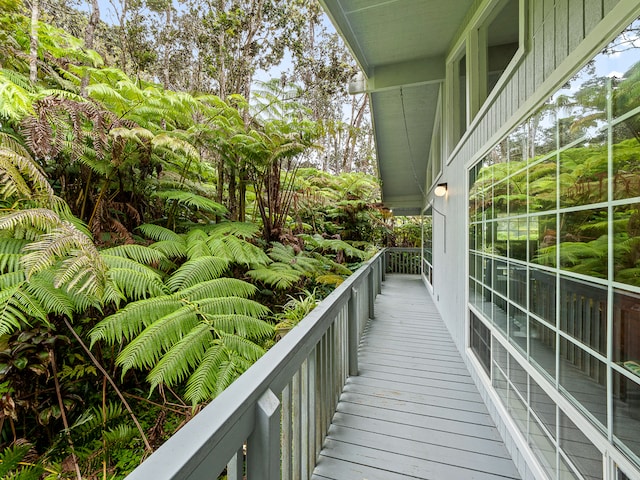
[(473, 42)]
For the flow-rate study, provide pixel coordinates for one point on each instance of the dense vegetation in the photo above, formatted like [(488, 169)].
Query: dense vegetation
[(152, 240)]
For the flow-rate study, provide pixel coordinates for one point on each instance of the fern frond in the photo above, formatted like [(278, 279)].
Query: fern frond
[(137, 283), (244, 325), (41, 219), (196, 271), (183, 357), (133, 318), (52, 299), (278, 275), (203, 382), (159, 233), (192, 200), (137, 253), (238, 250), (244, 347), (237, 229), (147, 348), (218, 287), (231, 306)]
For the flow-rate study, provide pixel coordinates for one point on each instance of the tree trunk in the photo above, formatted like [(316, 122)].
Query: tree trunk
[(167, 51), (33, 54), (89, 38)]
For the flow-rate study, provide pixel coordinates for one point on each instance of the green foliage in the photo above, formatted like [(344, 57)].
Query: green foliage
[(13, 466)]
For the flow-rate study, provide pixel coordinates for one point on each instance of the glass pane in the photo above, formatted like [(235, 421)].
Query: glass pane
[(583, 312), (517, 148), (518, 377), (500, 356), (623, 69), (519, 235), (626, 244), (565, 472), (518, 327), (518, 284), (500, 190), (497, 233), (584, 377), (542, 132), (626, 411), (542, 186), (626, 158), (481, 341), (584, 245), (543, 407), (501, 385), (583, 172), (626, 330), (500, 316), (543, 246), (584, 455), (542, 294), (542, 347), (500, 272), (581, 105), (487, 303), (518, 410), (518, 193), (543, 447)]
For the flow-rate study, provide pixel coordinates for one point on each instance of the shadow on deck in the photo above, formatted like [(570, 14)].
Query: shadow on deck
[(413, 411)]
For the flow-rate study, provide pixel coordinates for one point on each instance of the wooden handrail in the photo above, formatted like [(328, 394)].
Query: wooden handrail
[(279, 410)]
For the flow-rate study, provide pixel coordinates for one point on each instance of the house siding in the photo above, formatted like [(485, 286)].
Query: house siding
[(560, 33)]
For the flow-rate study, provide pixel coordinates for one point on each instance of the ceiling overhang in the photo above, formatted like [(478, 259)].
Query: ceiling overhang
[(400, 46)]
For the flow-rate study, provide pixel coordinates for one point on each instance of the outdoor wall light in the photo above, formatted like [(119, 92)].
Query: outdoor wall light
[(441, 190)]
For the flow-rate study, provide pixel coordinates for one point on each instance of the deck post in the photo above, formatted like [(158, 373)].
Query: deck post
[(263, 446), (371, 286), (354, 330), (383, 262)]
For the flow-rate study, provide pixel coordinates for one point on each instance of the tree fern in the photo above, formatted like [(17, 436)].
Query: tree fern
[(159, 233), (237, 250), (191, 200), (197, 270), (277, 275)]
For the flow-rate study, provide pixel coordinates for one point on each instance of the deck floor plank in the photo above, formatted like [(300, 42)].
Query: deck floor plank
[(413, 412)]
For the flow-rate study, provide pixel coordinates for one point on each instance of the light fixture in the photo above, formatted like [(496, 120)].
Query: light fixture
[(441, 190)]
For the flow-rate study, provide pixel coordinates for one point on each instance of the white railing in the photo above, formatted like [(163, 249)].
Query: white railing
[(271, 422), (403, 260)]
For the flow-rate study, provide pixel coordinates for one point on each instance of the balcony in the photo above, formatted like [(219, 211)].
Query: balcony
[(369, 385)]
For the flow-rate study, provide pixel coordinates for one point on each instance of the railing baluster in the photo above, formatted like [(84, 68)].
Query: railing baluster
[(297, 434), (313, 451), (286, 434), (304, 420), (354, 334), (263, 445)]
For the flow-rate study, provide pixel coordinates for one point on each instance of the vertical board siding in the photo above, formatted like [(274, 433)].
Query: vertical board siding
[(556, 27), (549, 40), (562, 35), (575, 25), (592, 14)]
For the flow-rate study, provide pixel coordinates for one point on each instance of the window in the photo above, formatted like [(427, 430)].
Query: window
[(480, 62), (502, 40), (554, 270)]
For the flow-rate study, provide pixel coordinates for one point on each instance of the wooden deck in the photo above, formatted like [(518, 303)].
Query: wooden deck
[(413, 412)]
